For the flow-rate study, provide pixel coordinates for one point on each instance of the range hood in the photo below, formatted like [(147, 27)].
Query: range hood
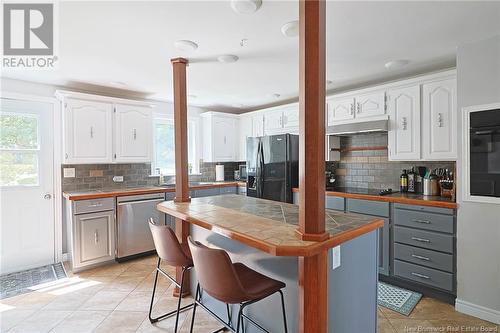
[(378, 125)]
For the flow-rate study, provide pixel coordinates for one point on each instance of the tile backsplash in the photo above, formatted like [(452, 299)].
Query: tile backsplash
[(100, 176), (371, 168)]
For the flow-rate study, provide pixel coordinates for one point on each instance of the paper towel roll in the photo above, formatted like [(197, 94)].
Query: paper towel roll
[(219, 173)]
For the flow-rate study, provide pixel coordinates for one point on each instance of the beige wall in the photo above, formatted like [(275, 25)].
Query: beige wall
[(478, 229)]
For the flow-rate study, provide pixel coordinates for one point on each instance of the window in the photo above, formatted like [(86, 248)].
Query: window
[(19, 149), (164, 148)]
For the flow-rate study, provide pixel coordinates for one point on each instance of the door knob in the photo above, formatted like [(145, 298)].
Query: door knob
[(47, 196)]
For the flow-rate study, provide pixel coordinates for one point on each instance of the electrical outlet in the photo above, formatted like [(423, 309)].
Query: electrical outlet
[(336, 257), (69, 172), (118, 179)]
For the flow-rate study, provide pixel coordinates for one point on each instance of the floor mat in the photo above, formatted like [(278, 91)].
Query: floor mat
[(20, 282), (397, 299)]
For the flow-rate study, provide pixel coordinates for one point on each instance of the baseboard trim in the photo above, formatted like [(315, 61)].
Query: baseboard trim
[(477, 311)]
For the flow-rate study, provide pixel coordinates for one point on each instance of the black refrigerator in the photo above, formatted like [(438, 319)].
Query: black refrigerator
[(273, 167)]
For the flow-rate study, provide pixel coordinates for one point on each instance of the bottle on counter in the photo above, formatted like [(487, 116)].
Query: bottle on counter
[(412, 180), (403, 182)]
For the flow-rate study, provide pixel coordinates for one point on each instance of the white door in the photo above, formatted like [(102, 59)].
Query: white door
[(87, 132), (133, 133), (258, 125), (439, 119), (224, 140), (26, 185), (273, 122), (340, 109), (370, 105), (404, 123)]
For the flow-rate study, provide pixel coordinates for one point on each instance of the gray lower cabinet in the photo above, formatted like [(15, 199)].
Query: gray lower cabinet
[(382, 210), (424, 246), (229, 190), (91, 232)]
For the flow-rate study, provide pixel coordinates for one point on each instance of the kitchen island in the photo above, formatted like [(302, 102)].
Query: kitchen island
[(262, 234)]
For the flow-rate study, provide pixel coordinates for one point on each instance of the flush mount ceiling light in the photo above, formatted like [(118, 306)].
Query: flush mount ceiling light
[(395, 64), (246, 6), (290, 29), (227, 58), (185, 45)]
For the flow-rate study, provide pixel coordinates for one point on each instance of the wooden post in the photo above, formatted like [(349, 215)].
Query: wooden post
[(181, 155), (313, 274)]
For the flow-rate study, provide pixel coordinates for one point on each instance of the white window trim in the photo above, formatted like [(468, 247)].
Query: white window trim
[(466, 196), (169, 118)]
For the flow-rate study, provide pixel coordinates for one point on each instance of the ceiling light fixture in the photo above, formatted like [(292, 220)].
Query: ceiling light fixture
[(186, 45), (395, 64), (227, 58), (246, 6), (290, 29)]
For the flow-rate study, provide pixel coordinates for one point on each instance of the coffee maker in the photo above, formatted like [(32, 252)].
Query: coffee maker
[(330, 180)]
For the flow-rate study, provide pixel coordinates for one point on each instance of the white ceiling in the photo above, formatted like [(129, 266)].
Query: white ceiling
[(103, 43)]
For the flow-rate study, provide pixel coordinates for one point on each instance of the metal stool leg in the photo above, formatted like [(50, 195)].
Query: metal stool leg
[(194, 307), (283, 308), (151, 319)]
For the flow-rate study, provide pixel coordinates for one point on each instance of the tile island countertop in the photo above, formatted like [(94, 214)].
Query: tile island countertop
[(267, 225)]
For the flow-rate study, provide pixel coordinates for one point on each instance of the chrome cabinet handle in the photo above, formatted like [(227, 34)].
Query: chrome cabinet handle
[(440, 119), (135, 134), (358, 107), (420, 275), (96, 237), (91, 132), (420, 257), (422, 240), (97, 204), (352, 109), (421, 221), (404, 123)]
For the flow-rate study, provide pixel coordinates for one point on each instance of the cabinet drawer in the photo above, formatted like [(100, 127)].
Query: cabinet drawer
[(424, 220), (368, 207), (335, 203), (426, 239), (94, 205), (424, 257), (424, 275), (226, 190)]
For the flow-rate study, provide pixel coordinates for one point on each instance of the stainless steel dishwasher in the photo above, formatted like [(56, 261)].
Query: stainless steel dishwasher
[(133, 213)]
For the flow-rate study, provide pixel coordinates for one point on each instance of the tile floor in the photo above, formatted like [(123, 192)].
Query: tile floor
[(115, 298)]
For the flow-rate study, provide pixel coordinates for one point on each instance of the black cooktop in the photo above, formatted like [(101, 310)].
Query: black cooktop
[(356, 190)]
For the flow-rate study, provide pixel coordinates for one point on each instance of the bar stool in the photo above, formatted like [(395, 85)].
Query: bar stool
[(172, 253), (231, 283)]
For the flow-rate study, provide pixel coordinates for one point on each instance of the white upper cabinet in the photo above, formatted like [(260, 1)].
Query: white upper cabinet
[(291, 118), (404, 123), (340, 110), (258, 125), (369, 105), (244, 132), (273, 121), (439, 120), (219, 137), (87, 132), (133, 133), (93, 133)]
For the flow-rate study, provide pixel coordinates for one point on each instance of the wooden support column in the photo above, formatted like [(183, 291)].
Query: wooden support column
[(181, 155), (313, 274)]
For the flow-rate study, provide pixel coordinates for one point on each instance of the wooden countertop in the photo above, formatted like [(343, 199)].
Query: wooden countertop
[(118, 192), (403, 198), (267, 225)]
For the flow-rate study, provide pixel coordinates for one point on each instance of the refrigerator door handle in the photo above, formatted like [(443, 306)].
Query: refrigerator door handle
[(260, 191)]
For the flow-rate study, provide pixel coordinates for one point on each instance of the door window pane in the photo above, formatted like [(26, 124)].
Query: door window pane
[(18, 131), (18, 168)]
